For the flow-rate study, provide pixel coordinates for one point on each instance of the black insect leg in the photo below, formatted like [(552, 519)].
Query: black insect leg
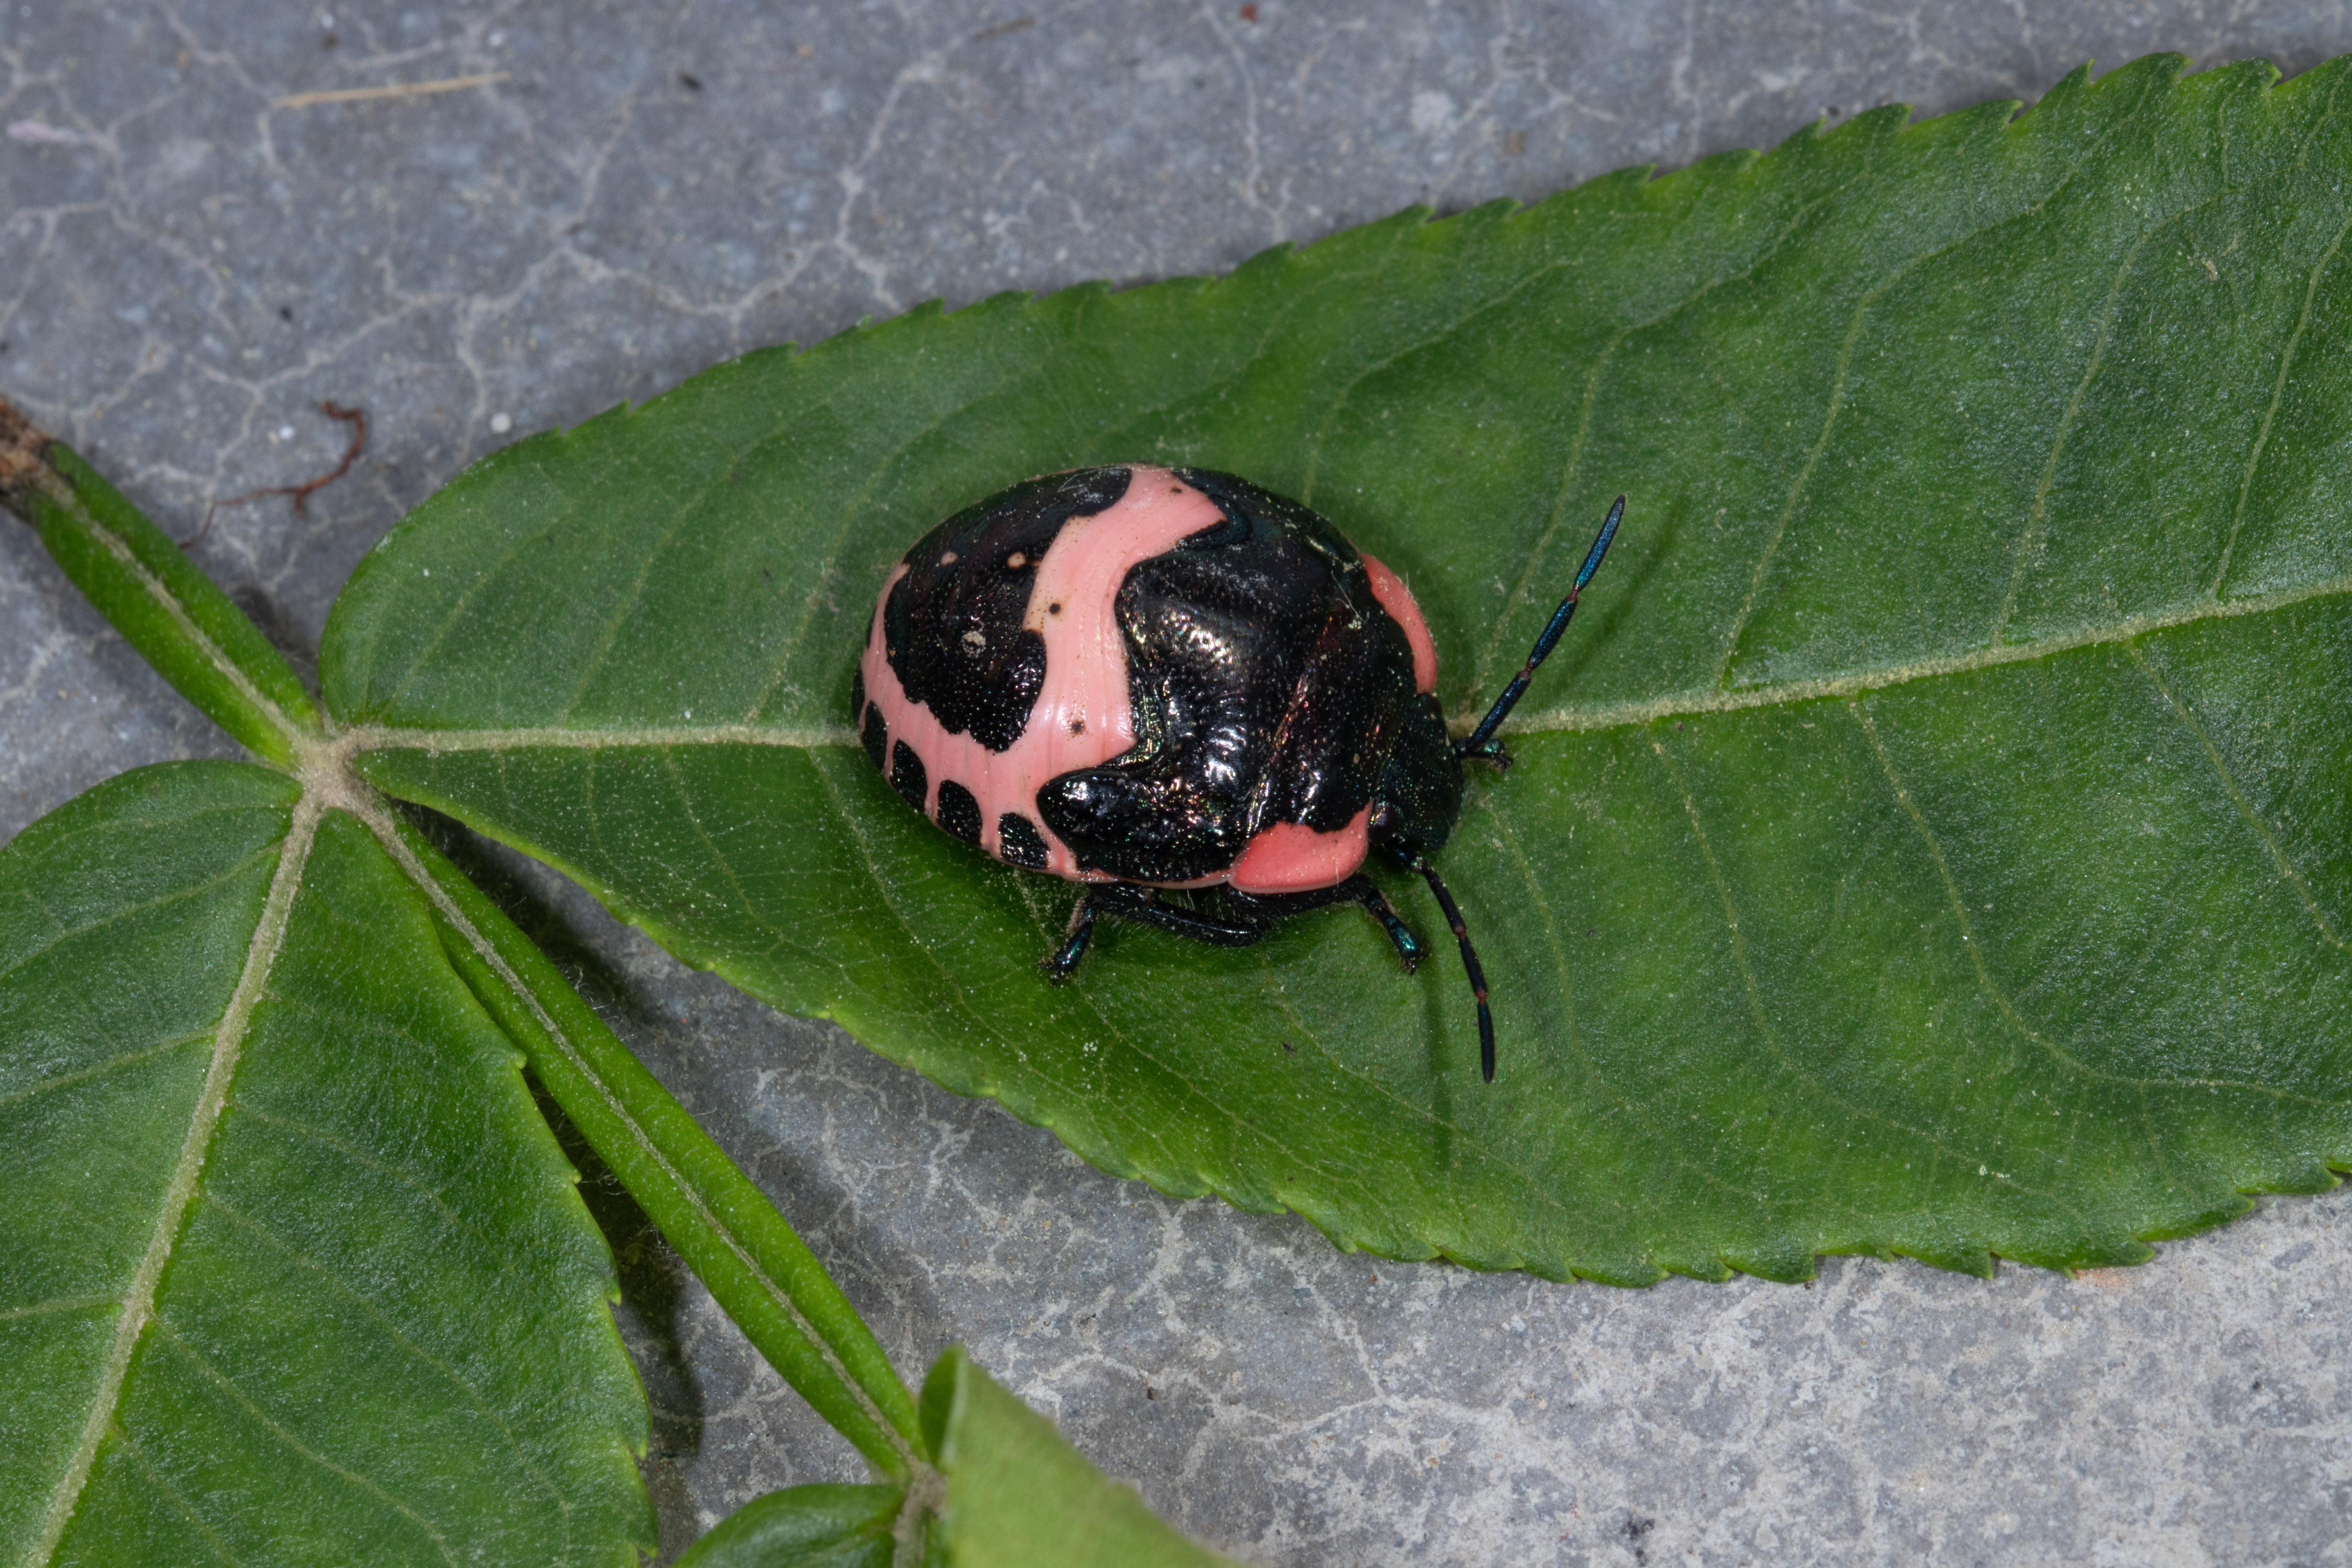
[(1063, 962), (1469, 963), (1129, 901), (1134, 901), (1268, 908), (1253, 914), (1376, 904)]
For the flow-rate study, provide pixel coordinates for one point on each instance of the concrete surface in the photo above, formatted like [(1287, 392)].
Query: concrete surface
[(188, 266)]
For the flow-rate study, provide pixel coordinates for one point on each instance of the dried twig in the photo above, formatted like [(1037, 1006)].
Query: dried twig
[(395, 90), (355, 417)]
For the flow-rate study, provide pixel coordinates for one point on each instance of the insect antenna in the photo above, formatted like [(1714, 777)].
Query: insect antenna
[(1480, 742), (1469, 963)]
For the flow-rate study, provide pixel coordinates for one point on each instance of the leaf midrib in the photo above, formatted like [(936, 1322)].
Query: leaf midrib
[(296, 736), (1568, 719), (187, 1171)]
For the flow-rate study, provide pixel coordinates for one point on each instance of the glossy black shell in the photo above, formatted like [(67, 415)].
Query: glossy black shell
[(1269, 685)]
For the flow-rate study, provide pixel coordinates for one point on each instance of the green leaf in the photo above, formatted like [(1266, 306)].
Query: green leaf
[(172, 613), (1009, 1493), (742, 1250), (1019, 1497), (296, 1273), (1931, 840), (757, 1268), (804, 1527)]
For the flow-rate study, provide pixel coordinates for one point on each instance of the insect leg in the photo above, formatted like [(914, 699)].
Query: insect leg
[(1134, 901), (1141, 904), (1063, 962), (1376, 904), (1356, 889)]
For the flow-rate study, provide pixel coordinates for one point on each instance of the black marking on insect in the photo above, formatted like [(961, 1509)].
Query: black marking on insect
[(1142, 679)]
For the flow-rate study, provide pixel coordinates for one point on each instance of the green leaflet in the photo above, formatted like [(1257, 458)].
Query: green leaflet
[(295, 1271), (804, 1527), (176, 618), (1019, 1497), (1931, 839), (1015, 1496)]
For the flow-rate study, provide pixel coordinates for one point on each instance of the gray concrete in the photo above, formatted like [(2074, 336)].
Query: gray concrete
[(185, 270)]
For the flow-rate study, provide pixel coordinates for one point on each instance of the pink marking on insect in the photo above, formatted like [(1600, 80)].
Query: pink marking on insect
[(1292, 857), (1083, 716), (1397, 600)]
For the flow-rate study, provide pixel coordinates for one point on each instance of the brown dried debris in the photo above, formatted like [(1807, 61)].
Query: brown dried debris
[(24, 454)]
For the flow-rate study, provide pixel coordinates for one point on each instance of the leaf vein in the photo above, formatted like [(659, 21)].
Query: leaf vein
[(853, 508), (161, 901), (399, 1336), (1571, 719), (1754, 991), (179, 1194), (99, 1069), (286, 1439), (59, 1304), (173, 1494), (1558, 516), (1991, 990), (2288, 872), (1539, 896), (493, 1245), (2278, 395), (1837, 393)]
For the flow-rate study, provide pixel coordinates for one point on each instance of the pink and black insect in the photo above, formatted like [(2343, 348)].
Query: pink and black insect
[(1149, 680)]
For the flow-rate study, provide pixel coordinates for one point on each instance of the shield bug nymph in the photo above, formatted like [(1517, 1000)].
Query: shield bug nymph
[(1144, 679)]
